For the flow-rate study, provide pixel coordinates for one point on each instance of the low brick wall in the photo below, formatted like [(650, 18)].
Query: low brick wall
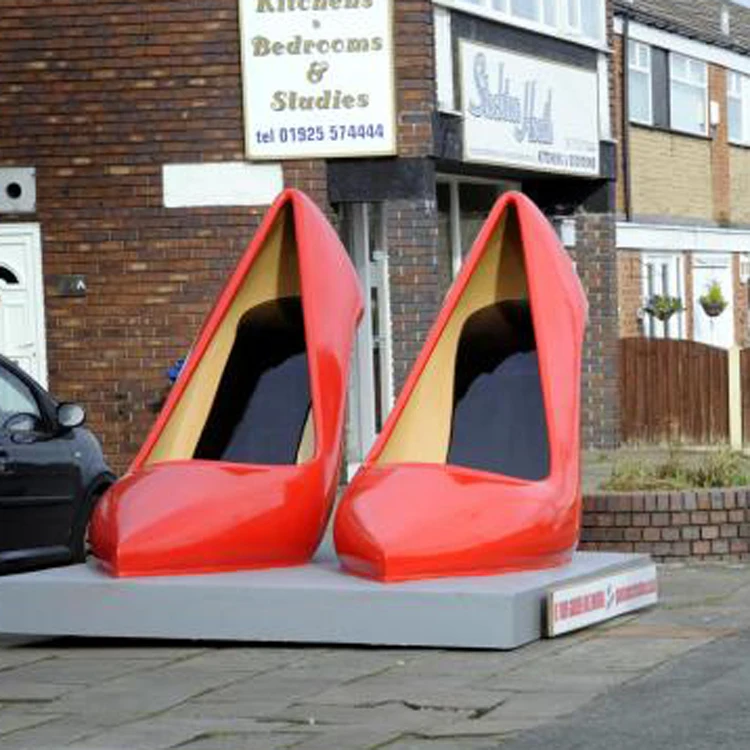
[(704, 524)]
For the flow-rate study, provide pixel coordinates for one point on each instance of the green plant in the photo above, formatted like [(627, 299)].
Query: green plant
[(721, 468), (713, 299), (663, 306)]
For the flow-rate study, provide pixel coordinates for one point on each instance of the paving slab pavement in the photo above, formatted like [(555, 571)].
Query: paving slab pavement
[(91, 694)]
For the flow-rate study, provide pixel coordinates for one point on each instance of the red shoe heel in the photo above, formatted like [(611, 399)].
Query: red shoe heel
[(477, 468), (241, 468)]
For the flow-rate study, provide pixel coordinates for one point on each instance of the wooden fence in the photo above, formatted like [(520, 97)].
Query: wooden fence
[(677, 390)]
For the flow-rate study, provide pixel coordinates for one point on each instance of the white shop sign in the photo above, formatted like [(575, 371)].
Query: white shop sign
[(318, 78), (524, 112), (581, 604)]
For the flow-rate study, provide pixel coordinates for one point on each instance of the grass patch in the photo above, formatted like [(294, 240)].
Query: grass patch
[(719, 469)]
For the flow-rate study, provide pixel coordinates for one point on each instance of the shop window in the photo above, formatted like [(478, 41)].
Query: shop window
[(549, 9), (591, 18), (667, 89), (578, 20), (574, 14), (528, 9), (463, 206), (738, 107)]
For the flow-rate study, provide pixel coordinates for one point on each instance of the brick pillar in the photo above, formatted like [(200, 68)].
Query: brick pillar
[(596, 262), (629, 292), (717, 83), (414, 278)]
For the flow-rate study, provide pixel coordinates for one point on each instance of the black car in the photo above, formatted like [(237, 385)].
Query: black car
[(52, 471)]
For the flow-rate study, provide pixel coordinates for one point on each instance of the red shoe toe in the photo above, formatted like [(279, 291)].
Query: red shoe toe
[(193, 517), (427, 521)]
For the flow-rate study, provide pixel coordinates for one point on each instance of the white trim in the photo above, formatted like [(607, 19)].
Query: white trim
[(684, 46), (457, 257), (605, 124), (364, 403), (221, 184), (445, 91), (381, 271), (539, 28), (665, 237)]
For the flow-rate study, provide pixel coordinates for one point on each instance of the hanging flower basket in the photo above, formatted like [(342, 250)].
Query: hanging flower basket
[(713, 302), (663, 307), (713, 309)]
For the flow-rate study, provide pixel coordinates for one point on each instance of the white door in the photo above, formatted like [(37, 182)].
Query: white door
[(719, 330), (22, 299), (371, 384)]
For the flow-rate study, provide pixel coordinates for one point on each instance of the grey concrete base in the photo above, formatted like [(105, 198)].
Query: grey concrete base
[(316, 603)]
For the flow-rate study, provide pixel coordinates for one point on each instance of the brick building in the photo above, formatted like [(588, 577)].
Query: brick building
[(132, 178), (684, 164)]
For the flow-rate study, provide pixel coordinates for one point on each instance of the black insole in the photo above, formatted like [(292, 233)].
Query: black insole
[(499, 423), (263, 399)]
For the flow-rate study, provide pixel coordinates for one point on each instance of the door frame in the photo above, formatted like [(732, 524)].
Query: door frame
[(373, 274), (33, 233)]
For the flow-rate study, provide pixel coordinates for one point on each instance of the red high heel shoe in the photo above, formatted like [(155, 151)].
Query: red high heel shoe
[(241, 468), (477, 469)]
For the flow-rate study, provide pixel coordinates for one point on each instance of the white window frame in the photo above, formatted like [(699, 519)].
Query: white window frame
[(687, 81), (374, 274), (561, 28), (675, 327), (635, 65)]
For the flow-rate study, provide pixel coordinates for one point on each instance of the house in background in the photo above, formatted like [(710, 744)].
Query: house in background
[(682, 83)]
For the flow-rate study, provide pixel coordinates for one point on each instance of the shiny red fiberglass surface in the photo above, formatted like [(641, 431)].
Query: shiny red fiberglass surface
[(195, 516), (401, 521)]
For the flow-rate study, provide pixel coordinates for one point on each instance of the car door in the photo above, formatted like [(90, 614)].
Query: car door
[(38, 478)]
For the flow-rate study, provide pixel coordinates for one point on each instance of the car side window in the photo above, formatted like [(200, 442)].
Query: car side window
[(15, 397)]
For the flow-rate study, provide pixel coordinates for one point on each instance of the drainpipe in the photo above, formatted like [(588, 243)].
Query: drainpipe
[(625, 124)]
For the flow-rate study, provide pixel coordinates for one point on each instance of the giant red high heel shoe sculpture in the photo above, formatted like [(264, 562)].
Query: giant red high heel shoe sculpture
[(477, 469), (241, 467)]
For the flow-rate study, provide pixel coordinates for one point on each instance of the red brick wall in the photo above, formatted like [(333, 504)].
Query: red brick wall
[(707, 524)]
